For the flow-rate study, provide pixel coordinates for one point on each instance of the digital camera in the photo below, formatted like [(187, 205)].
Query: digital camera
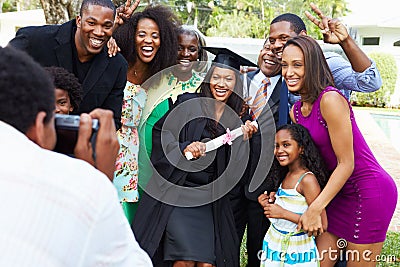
[(67, 127)]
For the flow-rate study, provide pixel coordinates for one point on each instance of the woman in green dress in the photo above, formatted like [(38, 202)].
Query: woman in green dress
[(185, 76)]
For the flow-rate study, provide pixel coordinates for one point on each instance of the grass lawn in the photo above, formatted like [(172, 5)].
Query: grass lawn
[(390, 251)]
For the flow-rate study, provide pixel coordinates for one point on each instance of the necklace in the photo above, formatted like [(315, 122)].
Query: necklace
[(192, 82)]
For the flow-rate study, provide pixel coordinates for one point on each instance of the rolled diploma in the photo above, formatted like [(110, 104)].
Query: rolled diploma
[(217, 142)]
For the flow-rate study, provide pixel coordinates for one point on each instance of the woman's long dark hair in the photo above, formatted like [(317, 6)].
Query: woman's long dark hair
[(235, 102), (167, 23), (310, 158), (317, 72)]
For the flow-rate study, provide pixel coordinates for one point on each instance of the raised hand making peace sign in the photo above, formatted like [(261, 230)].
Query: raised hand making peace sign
[(333, 29), (125, 11)]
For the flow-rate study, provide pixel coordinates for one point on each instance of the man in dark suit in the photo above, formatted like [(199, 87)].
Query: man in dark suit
[(247, 210), (79, 46), (269, 68)]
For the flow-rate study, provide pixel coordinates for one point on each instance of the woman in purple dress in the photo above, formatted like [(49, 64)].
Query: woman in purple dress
[(360, 196)]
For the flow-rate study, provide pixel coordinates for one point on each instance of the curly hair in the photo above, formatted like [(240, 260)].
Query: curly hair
[(25, 90), (67, 81), (310, 158), (167, 23)]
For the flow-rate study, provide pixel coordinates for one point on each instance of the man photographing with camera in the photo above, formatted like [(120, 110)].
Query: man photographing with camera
[(56, 210)]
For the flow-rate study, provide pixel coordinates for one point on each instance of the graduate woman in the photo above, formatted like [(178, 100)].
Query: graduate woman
[(185, 215)]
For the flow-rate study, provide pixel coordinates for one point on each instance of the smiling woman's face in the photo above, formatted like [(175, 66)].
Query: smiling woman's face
[(293, 68), (222, 83), (188, 51), (147, 39)]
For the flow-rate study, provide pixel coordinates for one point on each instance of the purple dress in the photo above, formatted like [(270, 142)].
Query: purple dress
[(362, 210)]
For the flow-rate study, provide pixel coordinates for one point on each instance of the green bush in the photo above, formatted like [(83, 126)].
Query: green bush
[(8, 6), (386, 65)]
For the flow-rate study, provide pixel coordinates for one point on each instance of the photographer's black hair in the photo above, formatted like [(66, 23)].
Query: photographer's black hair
[(25, 90)]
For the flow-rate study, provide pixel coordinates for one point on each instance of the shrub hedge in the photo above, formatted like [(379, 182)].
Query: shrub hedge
[(387, 67)]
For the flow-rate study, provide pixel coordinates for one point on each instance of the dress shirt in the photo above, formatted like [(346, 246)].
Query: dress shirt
[(59, 211), (256, 83), (347, 80)]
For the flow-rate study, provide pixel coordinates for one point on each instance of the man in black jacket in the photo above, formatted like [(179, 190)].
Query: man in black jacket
[(79, 46)]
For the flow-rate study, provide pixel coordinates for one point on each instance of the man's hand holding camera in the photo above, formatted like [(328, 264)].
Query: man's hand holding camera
[(107, 145)]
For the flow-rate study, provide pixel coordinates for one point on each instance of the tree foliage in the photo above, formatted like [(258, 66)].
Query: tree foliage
[(229, 18), (14, 5), (250, 18)]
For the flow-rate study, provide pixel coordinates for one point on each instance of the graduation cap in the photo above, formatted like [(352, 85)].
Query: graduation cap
[(227, 57)]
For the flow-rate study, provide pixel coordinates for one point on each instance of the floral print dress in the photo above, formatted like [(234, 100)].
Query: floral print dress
[(126, 173)]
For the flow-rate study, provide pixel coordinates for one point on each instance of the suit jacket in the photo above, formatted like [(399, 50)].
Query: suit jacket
[(262, 153), (52, 45), (273, 101)]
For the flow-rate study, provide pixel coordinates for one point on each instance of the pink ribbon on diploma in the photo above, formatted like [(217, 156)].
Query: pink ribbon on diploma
[(222, 139), (228, 137)]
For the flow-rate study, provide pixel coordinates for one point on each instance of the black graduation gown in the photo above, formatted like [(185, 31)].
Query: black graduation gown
[(152, 215)]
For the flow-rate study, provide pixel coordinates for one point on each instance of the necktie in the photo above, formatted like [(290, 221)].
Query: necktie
[(260, 99)]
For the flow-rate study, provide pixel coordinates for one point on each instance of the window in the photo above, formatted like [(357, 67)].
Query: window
[(396, 43), (370, 40)]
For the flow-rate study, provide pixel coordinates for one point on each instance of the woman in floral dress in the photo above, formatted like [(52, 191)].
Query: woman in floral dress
[(140, 39)]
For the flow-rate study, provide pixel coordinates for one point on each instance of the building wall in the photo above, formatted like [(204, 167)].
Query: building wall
[(246, 47), (10, 22), (388, 36)]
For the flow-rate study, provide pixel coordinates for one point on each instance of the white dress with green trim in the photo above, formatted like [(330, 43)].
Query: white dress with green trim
[(283, 245)]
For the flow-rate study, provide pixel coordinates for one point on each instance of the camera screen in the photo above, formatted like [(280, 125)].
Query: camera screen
[(66, 141)]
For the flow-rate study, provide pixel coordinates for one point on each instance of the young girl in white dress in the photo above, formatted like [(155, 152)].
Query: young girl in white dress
[(299, 171)]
